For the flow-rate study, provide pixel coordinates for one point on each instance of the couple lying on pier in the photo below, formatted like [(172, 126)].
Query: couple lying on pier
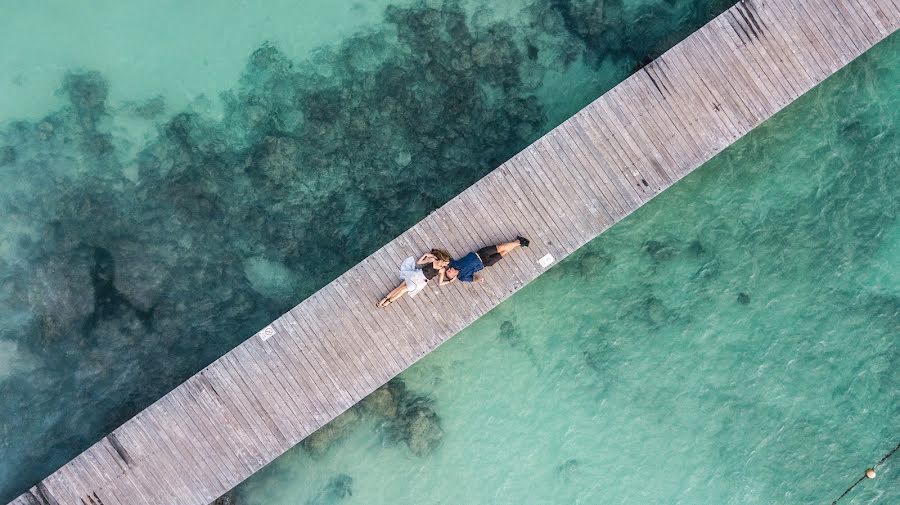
[(415, 274)]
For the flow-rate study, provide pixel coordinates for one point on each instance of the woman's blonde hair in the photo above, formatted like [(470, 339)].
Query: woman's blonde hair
[(441, 254)]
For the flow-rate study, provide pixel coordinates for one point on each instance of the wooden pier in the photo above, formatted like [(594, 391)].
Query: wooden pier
[(333, 349)]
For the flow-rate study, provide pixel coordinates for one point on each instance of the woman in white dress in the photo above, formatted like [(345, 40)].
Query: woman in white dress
[(416, 274)]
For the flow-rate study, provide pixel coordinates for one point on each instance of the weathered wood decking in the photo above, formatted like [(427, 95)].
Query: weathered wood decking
[(330, 351)]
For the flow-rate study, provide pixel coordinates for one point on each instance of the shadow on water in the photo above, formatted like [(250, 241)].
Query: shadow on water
[(122, 275)]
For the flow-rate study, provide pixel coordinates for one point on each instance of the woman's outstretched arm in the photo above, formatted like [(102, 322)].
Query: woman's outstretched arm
[(426, 259)]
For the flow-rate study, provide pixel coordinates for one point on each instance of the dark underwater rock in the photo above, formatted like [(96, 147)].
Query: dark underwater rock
[(409, 418), (510, 334), (62, 293), (593, 263), (278, 157), (151, 108), (228, 498), (418, 426), (570, 470), (337, 488), (695, 248), (383, 402), (141, 273), (328, 435), (660, 251), (87, 92), (45, 130), (7, 155)]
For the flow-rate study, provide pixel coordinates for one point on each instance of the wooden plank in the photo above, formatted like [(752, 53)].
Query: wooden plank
[(825, 53), (281, 366), (107, 469), (319, 358), (502, 228), (684, 119), (365, 317), (734, 64), (211, 409), (334, 352), (862, 31), (562, 146), (779, 62), (173, 481), (877, 16), (145, 476), (270, 393), (371, 336), (364, 283), (330, 354), (112, 490), (595, 115), (150, 477), (371, 373), (690, 93), (524, 183), (300, 373), (309, 359), (260, 403), (374, 357), (852, 39), (329, 325), (629, 140), (663, 149), (244, 407), (783, 71), (612, 163), (832, 31), (740, 86), (192, 430), (613, 202), (790, 40), (784, 16), (260, 446), (745, 25), (22, 500), (648, 107), (335, 348), (76, 475)]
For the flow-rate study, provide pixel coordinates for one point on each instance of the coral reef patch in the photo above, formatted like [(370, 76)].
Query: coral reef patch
[(407, 418)]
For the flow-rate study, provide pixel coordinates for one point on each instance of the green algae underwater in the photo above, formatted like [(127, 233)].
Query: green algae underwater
[(734, 341), (146, 233)]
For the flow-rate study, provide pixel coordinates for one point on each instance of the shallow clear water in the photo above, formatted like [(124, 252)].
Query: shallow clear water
[(735, 341), (173, 177)]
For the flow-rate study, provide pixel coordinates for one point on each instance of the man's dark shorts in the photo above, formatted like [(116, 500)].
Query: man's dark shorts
[(489, 255)]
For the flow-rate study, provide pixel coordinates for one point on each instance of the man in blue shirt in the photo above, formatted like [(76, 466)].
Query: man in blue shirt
[(466, 267)]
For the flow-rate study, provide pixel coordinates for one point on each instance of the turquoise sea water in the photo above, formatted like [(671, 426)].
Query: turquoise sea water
[(735, 341), (175, 175)]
